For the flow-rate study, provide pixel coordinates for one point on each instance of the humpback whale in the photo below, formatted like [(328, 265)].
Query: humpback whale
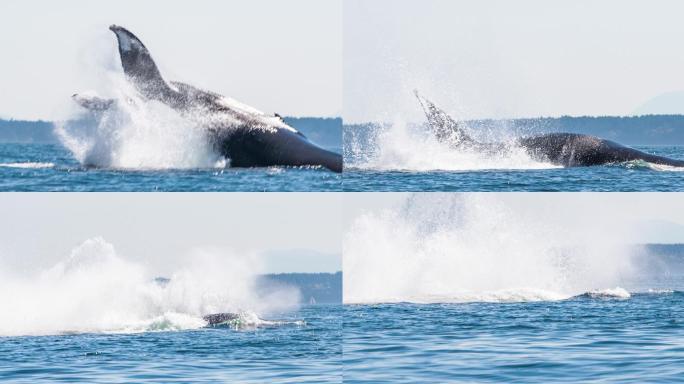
[(564, 149), (245, 135), (215, 319)]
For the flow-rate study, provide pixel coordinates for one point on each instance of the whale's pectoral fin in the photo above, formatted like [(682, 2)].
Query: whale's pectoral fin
[(445, 128), (138, 65), (92, 102)]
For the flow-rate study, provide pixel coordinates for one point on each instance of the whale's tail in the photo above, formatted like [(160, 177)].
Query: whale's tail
[(445, 128), (138, 65)]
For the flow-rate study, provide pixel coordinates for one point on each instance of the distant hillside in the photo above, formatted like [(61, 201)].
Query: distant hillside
[(673, 254), (320, 288), (17, 131), (314, 287), (661, 260), (638, 130), (670, 250), (635, 130), (326, 132)]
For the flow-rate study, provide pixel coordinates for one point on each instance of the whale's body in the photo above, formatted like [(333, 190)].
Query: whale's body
[(574, 149), (563, 149), (216, 319), (245, 135)]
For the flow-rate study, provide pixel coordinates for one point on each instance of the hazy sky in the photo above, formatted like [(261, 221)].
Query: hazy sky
[(293, 232), (656, 217), (278, 56), (524, 58)]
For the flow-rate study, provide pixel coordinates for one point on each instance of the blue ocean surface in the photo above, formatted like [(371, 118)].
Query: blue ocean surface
[(51, 167), (157, 155), (359, 176), (306, 348), (639, 339)]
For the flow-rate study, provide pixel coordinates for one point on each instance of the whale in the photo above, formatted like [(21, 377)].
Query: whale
[(243, 134), (558, 148), (216, 319)]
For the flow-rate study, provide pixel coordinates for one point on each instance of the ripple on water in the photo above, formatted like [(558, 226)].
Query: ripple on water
[(580, 339), (50, 167)]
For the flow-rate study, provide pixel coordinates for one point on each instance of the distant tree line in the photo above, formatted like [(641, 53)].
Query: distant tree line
[(18, 131), (323, 131), (630, 130), (322, 288), (634, 130)]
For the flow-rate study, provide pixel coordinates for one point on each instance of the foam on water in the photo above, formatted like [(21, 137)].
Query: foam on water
[(96, 290), (401, 146), (174, 321), (641, 164), (509, 296), (654, 291), (498, 296), (609, 293), (471, 248), (28, 165)]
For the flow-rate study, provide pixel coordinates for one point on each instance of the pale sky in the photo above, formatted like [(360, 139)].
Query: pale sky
[(278, 56), (292, 232), (523, 58), (655, 217)]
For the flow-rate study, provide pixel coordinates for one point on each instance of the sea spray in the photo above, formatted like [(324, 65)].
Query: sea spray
[(475, 247), (135, 133), (96, 290), (403, 146)]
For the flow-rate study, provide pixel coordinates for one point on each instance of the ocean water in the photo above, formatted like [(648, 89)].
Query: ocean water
[(448, 287), (306, 347), (425, 171), (603, 338), (52, 167), (97, 316)]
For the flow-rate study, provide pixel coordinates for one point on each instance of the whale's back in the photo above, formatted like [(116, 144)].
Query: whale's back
[(574, 149)]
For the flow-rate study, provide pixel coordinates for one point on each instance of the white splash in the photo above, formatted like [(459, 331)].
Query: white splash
[(96, 290), (472, 247), (641, 164), (136, 134), (609, 293), (28, 165), (498, 296), (657, 291), (403, 147)]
